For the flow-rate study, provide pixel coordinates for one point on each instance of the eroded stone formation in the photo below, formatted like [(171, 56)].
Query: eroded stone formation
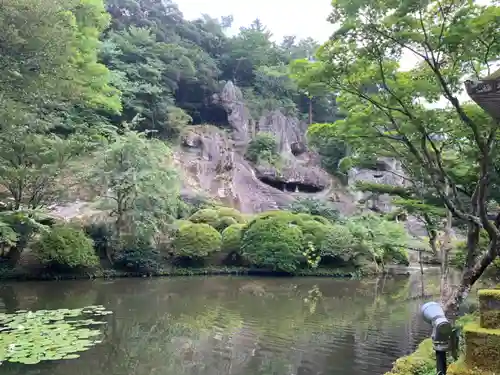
[(213, 164), (212, 160)]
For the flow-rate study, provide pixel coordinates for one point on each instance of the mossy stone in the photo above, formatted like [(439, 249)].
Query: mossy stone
[(460, 368), (489, 308), (421, 361), (482, 348)]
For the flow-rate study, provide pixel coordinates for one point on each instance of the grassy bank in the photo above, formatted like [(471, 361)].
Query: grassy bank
[(25, 275)]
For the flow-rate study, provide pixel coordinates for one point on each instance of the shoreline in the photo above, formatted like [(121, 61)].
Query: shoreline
[(25, 275)]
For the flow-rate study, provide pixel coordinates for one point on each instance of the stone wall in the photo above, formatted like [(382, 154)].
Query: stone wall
[(482, 339)]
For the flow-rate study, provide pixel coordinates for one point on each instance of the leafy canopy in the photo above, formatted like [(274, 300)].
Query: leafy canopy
[(448, 151)]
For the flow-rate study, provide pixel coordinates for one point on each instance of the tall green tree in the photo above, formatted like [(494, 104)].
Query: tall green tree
[(385, 106), (135, 180), (48, 68), (49, 55), (148, 72)]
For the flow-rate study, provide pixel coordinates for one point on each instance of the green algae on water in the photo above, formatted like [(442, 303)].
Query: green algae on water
[(29, 337)]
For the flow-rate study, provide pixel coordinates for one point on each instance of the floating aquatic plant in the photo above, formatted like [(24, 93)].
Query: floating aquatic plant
[(47, 335)]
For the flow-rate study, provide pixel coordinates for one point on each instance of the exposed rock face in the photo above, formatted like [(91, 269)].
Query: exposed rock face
[(288, 131), (387, 171), (238, 115), (213, 164), (295, 178)]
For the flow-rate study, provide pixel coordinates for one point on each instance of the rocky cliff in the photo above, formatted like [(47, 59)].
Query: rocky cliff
[(212, 162)]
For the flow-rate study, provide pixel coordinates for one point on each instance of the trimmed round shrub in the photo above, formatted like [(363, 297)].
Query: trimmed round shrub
[(205, 216), (196, 241), (282, 215), (314, 232), (66, 246), (181, 223), (231, 238), (340, 245), (231, 212), (224, 222), (273, 243)]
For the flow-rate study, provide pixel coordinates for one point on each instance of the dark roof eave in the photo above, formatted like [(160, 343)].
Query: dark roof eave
[(486, 93)]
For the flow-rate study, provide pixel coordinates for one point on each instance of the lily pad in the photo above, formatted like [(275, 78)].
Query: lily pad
[(29, 337)]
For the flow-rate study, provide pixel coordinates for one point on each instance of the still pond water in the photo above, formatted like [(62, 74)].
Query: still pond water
[(235, 325)]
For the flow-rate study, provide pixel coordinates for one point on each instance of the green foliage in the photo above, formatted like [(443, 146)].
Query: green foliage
[(421, 362), (314, 232), (341, 244), (29, 337), (149, 71), (273, 243), (137, 182), (367, 239), (138, 256), (312, 255), (205, 216), (18, 229), (50, 54), (331, 149), (196, 241), (31, 166), (231, 239), (458, 255), (224, 222), (317, 207), (218, 217), (101, 235), (394, 111), (262, 149), (383, 189), (65, 246), (231, 212)]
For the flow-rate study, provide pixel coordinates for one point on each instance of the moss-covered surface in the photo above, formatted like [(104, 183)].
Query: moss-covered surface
[(482, 348), (492, 293), (460, 368), (489, 307), (422, 361)]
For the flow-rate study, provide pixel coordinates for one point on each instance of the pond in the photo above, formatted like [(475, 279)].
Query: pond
[(234, 325)]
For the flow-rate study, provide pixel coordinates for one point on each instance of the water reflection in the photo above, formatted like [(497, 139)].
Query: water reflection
[(237, 326)]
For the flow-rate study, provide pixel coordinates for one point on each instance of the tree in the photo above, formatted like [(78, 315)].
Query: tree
[(49, 55), (149, 72), (49, 75), (135, 179), (35, 169), (386, 111)]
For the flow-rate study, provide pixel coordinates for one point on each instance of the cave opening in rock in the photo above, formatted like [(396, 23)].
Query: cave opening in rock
[(210, 114), (290, 187)]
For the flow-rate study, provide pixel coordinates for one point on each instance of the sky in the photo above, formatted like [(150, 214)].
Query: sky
[(282, 17)]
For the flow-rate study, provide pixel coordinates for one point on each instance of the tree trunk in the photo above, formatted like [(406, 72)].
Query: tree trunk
[(310, 110), (445, 250), (469, 277)]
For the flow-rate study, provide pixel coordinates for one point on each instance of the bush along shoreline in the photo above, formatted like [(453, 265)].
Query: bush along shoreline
[(307, 240)]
